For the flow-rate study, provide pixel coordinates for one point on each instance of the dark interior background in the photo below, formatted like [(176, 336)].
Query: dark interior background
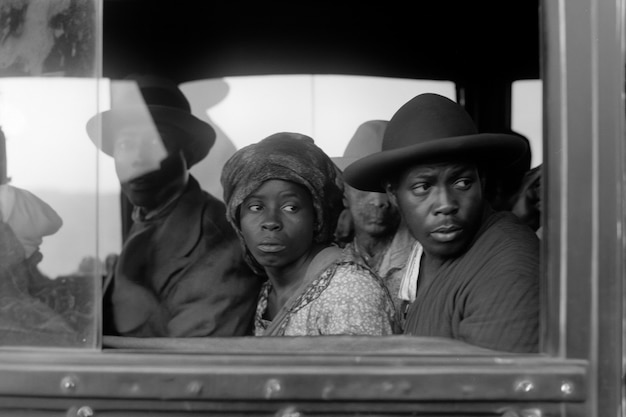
[(454, 40), (482, 46)]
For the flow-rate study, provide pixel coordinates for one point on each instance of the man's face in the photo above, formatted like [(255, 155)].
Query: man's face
[(148, 174), (442, 204), (372, 213), (138, 150)]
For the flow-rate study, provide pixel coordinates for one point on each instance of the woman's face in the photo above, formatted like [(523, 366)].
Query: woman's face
[(277, 223)]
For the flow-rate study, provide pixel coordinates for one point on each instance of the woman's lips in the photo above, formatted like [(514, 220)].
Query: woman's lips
[(270, 247)]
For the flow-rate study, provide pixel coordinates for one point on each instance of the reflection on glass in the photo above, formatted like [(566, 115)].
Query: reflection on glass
[(48, 207), (49, 272)]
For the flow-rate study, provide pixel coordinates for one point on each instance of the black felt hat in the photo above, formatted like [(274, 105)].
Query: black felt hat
[(431, 127), (166, 105)]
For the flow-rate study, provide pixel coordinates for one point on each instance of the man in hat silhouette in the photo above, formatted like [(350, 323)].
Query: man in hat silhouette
[(478, 269), (180, 272), (370, 225)]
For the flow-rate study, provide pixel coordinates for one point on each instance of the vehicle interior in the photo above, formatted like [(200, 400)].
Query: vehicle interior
[(571, 52), (481, 47)]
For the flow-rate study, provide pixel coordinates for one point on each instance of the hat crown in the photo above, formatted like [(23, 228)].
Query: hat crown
[(141, 99), (425, 118), (367, 139), (157, 91)]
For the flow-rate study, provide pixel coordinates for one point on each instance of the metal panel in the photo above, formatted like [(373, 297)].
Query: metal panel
[(362, 375), (584, 84)]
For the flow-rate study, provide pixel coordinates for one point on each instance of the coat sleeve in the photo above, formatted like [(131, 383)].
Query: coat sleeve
[(137, 312), (186, 277), (501, 309), (216, 296), (216, 292)]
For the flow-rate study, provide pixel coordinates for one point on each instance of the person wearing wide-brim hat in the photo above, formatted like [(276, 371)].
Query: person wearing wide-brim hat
[(181, 271), (478, 269), (366, 213), (369, 226)]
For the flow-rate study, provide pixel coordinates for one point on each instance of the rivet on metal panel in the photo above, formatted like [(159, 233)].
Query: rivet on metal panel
[(134, 388), (68, 383), (327, 392), (194, 387), (272, 386), (290, 411), (387, 386), (567, 388), (531, 412), (524, 386), (511, 413), (85, 411)]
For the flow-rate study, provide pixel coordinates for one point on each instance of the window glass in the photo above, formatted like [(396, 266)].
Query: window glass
[(526, 115), (49, 270), (74, 188), (329, 108)]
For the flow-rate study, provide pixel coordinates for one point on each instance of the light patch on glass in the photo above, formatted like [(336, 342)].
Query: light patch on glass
[(138, 147)]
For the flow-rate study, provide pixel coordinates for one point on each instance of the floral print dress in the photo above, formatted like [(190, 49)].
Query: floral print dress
[(346, 298)]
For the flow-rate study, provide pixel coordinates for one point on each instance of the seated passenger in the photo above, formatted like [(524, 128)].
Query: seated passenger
[(479, 269), (25, 318), (181, 272), (375, 235), (517, 188), (526, 203), (283, 195), (503, 184)]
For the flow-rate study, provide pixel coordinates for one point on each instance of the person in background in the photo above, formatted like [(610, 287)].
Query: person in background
[(478, 271), (180, 272), (370, 225), (517, 188), (503, 183), (526, 204), (26, 316), (283, 196)]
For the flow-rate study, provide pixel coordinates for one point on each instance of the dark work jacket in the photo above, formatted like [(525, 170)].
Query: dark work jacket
[(487, 296), (182, 275)]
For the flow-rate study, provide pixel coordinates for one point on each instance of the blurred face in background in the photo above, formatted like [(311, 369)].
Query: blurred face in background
[(372, 213)]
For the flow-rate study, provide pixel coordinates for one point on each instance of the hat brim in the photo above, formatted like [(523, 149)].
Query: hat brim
[(197, 139), (495, 150)]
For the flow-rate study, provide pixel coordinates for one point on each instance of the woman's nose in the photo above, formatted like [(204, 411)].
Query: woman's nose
[(270, 226), (271, 221)]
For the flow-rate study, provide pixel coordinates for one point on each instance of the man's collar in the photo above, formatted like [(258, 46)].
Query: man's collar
[(141, 215)]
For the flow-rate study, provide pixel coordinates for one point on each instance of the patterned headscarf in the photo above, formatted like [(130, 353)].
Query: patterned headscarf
[(290, 157)]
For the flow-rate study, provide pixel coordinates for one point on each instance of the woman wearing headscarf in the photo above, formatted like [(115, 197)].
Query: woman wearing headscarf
[(283, 196)]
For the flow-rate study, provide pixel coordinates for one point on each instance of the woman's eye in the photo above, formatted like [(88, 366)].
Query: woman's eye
[(290, 208), (254, 207)]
